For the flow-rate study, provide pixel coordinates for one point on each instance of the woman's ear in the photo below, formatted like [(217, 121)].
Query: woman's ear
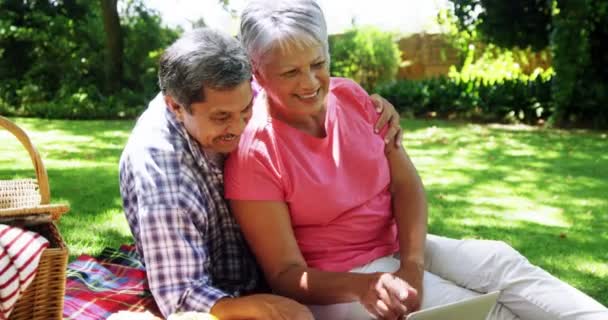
[(175, 108)]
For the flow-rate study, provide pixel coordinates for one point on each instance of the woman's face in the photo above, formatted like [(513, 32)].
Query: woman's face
[(296, 78)]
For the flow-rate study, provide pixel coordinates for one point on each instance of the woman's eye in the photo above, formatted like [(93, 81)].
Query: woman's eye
[(290, 73), (319, 65)]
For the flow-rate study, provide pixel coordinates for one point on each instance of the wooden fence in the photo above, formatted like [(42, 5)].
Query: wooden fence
[(430, 55)]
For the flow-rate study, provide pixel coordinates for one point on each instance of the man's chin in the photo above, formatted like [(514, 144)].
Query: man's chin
[(226, 152), (225, 148)]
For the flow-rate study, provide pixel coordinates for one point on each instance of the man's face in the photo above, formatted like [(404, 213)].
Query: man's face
[(217, 123)]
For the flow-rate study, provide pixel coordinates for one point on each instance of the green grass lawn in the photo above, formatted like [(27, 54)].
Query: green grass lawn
[(545, 192)]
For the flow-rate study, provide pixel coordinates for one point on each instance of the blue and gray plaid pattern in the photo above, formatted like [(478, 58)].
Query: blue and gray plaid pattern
[(173, 199)]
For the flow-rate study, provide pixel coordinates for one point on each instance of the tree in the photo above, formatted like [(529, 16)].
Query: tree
[(507, 24), (575, 30), (114, 45), (53, 58), (79, 58), (580, 88), (41, 52)]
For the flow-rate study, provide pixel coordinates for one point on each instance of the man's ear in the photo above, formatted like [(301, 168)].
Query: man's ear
[(175, 108)]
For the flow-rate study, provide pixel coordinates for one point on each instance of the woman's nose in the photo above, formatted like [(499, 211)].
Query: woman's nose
[(310, 80)]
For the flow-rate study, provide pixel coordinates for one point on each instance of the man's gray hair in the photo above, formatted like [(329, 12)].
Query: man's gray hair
[(202, 58), (266, 24)]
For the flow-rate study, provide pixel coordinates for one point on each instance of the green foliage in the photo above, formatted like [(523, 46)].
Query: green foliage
[(580, 52), (490, 84), (145, 40), (41, 52), (507, 100), (520, 23), (574, 30), (496, 64), (461, 39), (52, 59), (487, 61), (366, 55)]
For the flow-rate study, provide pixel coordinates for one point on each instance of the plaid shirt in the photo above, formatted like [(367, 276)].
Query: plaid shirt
[(173, 199)]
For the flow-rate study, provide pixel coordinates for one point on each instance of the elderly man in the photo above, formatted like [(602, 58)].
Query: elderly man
[(171, 183)]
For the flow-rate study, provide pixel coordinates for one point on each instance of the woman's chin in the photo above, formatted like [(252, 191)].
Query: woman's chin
[(309, 106)]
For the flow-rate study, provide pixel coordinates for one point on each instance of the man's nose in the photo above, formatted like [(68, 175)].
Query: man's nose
[(238, 126)]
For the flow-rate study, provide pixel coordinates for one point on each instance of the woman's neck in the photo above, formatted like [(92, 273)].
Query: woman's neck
[(311, 124)]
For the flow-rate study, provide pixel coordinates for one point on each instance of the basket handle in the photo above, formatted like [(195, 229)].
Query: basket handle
[(41, 175)]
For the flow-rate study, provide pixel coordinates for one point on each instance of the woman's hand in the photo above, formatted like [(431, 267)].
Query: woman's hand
[(412, 273), (388, 296), (388, 114)]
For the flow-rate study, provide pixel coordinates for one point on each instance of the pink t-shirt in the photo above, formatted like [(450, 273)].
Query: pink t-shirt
[(336, 187)]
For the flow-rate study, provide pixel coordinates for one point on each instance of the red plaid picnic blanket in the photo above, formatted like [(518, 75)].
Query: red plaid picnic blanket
[(97, 287)]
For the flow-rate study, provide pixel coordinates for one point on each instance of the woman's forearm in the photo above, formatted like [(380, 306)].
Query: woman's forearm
[(410, 212), (409, 208), (411, 218), (312, 286)]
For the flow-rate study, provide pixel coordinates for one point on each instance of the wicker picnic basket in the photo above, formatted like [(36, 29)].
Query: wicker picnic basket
[(27, 202)]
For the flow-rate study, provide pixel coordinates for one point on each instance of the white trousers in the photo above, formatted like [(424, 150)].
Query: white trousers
[(458, 269)]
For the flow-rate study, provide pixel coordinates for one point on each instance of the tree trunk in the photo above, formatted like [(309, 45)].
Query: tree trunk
[(114, 45)]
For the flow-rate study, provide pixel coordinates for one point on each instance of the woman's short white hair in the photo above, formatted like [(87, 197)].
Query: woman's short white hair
[(266, 24)]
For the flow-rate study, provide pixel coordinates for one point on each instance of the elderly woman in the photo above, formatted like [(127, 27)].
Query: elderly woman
[(335, 223)]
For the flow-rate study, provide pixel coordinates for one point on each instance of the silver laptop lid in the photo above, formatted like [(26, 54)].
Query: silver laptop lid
[(476, 308)]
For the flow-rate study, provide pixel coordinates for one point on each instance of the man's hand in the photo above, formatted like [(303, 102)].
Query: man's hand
[(388, 297), (261, 306), (388, 114), (278, 308)]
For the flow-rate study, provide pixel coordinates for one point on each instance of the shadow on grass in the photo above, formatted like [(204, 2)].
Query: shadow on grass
[(71, 141), (475, 175), (537, 164), (81, 158), (95, 219), (545, 192), (94, 128)]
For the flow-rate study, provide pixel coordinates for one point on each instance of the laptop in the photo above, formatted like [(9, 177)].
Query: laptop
[(476, 308)]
